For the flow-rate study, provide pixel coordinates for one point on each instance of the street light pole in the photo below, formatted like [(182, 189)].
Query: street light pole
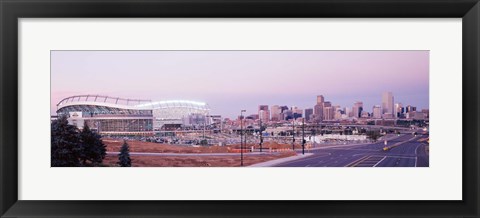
[(204, 126), (241, 137), (303, 136), (261, 137), (293, 133), (245, 138)]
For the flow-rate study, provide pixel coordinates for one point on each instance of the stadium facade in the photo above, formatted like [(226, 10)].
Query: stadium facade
[(121, 116)]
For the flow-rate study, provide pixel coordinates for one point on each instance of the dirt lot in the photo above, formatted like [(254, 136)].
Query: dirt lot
[(191, 161), (139, 146), (199, 161)]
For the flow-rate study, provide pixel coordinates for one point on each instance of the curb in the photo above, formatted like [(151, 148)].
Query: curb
[(281, 160)]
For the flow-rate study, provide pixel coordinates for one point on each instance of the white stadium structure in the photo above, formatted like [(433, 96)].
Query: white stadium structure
[(121, 116)]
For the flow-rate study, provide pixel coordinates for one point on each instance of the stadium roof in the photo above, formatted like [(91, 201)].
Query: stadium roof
[(125, 103)]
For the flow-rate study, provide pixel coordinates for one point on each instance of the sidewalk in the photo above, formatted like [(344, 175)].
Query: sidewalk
[(281, 160)]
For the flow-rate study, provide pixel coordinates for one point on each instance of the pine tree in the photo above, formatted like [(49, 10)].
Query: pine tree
[(65, 144), (124, 156), (93, 149)]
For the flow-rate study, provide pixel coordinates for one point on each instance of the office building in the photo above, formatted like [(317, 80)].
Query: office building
[(377, 112), (387, 103), (264, 113)]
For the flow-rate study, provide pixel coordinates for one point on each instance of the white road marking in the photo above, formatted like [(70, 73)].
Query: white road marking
[(380, 161), (417, 148), (399, 157), (416, 157)]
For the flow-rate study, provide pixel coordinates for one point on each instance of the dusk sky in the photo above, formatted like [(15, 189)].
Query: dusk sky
[(233, 80)]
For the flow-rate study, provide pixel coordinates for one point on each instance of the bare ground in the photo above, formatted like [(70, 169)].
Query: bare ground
[(199, 161), (191, 161), (139, 146)]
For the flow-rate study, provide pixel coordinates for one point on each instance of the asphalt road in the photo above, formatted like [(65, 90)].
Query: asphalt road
[(406, 151)]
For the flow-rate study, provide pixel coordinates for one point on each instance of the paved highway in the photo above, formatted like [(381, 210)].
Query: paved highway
[(405, 151)]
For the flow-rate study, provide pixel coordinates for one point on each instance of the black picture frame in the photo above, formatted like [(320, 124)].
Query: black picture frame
[(12, 10)]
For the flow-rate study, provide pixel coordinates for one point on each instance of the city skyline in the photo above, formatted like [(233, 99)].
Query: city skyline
[(391, 108), (233, 80)]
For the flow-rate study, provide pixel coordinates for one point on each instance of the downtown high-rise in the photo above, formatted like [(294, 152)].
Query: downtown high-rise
[(318, 108), (263, 113), (387, 103)]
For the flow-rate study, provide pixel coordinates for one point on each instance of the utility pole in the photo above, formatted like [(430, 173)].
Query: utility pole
[(303, 136), (245, 139), (261, 136), (204, 126), (241, 137), (293, 133), (221, 125)]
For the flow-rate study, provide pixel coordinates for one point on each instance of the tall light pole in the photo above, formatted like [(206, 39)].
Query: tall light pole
[(241, 137), (261, 137), (245, 138), (204, 126), (293, 133), (303, 136)]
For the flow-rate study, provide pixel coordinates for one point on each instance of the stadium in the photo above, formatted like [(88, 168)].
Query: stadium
[(121, 116)]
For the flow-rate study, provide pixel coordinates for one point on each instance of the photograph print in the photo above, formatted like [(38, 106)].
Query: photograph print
[(240, 108)]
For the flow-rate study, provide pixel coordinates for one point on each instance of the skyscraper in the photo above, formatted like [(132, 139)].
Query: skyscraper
[(320, 99), (410, 109), (308, 114), (377, 112), (328, 113), (283, 111), (348, 111), (318, 108), (338, 112), (398, 109), (275, 113), (264, 113), (387, 102), (357, 109), (318, 112), (297, 112)]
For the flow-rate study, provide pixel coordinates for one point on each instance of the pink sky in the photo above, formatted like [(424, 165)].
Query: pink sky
[(233, 80)]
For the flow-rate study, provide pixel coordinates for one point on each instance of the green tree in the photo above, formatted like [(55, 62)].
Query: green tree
[(203, 142), (92, 147), (124, 156), (65, 144)]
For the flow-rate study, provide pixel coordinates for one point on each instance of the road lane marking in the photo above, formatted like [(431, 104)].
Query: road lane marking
[(400, 157), (380, 161), (416, 155), (417, 149), (352, 164), (369, 162), (313, 157)]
